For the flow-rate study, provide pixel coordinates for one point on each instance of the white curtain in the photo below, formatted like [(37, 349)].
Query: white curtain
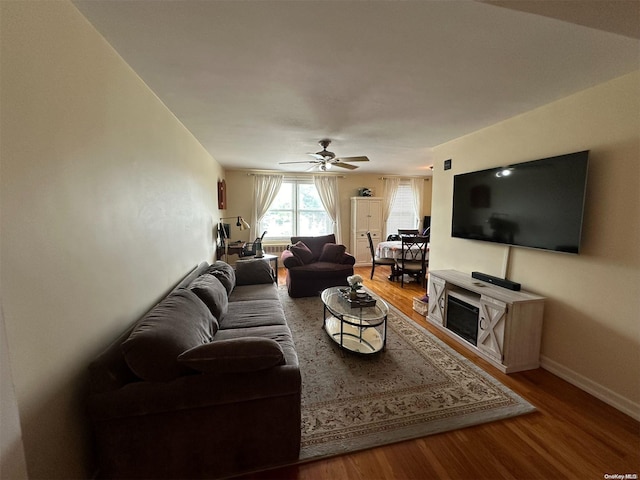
[(388, 195), (417, 188), (327, 187), (265, 189)]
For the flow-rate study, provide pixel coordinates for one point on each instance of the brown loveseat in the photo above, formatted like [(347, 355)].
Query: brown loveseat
[(205, 385), (316, 263)]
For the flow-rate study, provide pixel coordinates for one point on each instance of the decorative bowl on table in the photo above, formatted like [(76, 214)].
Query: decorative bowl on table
[(362, 300)]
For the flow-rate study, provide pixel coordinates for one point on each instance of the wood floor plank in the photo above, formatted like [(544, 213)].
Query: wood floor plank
[(572, 435)]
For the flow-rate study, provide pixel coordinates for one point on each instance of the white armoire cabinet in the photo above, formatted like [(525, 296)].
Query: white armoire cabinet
[(366, 216)]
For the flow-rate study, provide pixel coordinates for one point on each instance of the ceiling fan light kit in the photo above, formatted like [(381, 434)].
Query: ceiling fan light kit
[(325, 159)]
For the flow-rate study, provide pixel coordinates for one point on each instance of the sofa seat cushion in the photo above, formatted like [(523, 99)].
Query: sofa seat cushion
[(263, 291), (321, 270), (178, 323), (253, 313), (245, 354), (279, 333), (214, 295)]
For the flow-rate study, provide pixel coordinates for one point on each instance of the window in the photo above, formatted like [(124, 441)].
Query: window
[(402, 214), (296, 211)]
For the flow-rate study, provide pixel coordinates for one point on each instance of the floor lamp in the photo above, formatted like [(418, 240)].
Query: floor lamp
[(241, 224)]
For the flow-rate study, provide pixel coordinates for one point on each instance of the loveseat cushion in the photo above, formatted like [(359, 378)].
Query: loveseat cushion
[(225, 273), (322, 270), (211, 291), (254, 272), (302, 253), (246, 354), (332, 252), (178, 323)]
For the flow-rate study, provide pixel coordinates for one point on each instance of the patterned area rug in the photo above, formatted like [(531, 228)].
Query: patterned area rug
[(418, 386)]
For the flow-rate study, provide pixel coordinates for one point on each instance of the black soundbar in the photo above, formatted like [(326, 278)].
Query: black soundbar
[(501, 282)]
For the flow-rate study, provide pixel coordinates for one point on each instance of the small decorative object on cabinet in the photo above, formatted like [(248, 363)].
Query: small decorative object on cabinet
[(502, 326), (222, 195), (366, 216)]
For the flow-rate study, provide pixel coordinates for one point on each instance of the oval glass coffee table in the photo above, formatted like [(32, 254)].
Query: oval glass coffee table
[(354, 328)]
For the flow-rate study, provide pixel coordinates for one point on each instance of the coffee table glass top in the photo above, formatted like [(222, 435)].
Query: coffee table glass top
[(332, 299), (358, 329)]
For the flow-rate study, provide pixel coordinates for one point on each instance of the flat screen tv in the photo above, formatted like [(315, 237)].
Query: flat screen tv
[(537, 204)]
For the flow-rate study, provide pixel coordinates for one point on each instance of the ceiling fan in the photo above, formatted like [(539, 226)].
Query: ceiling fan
[(325, 159)]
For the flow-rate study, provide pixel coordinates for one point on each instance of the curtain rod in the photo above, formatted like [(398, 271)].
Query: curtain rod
[(404, 178), (298, 175)]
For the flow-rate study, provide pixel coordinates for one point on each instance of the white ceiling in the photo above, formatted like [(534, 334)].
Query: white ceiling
[(260, 82)]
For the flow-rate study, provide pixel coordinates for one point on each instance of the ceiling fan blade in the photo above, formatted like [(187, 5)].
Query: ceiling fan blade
[(306, 161), (317, 156), (353, 159), (344, 165)]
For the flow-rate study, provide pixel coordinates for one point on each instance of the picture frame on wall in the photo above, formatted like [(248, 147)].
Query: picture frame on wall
[(222, 195)]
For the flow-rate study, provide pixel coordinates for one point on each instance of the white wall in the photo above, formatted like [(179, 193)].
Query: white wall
[(107, 201), (12, 461), (591, 333)]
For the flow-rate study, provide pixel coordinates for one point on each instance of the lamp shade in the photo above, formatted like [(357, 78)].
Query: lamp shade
[(242, 224)]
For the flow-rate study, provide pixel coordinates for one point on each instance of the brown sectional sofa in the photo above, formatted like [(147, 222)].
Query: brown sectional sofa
[(205, 385)]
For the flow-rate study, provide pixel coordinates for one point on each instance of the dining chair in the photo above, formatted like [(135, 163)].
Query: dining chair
[(408, 231), (413, 258), (375, 260)]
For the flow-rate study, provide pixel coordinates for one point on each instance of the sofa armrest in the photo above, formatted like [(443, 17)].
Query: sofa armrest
[(348, 259), (289, 260)]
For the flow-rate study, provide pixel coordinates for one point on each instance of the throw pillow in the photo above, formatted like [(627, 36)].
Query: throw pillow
[(211, 291), (247, 354), (225, 273), (178, 323), (253, 272), (302, 252), (332, 252)]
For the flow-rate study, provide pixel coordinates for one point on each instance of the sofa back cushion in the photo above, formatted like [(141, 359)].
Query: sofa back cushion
[(315, 244), (332, 253), (254, 272), (302, 253), (211, 291), (178, 323), (225, 273)]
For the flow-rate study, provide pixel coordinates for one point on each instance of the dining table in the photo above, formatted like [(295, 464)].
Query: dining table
[(393, 249)]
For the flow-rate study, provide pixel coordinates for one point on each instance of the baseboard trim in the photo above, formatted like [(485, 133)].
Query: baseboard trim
[(602, 393)]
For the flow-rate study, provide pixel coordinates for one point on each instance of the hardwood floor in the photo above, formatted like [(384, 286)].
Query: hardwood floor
[(572, 435)]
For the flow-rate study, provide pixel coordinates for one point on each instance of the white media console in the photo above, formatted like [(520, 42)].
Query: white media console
[(502, 326)]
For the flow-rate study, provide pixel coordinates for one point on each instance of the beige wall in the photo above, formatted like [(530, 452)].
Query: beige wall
[(591, 332), (239, 183), (107, 201)]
